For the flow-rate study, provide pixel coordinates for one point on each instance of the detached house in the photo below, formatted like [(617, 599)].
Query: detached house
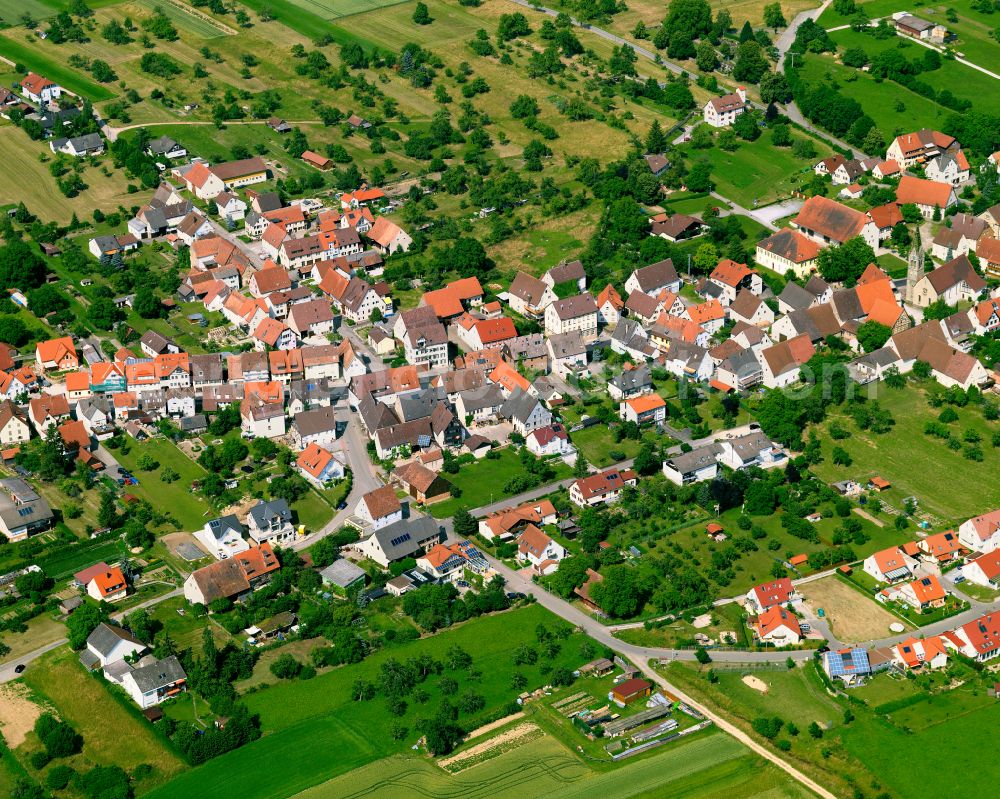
[(233, 578), (776, 593), (379, 508), (539, 551), (829, 222), (529, 296), (788, 250), (954, 282), (929, 196), (732, 277), (57, 355), (271, 523), (601, 488), (720, 112), (981, 533), (890, 565), (223, 537), (652, 279)]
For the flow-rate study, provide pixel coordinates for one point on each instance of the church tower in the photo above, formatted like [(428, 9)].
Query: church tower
[(914, 269)]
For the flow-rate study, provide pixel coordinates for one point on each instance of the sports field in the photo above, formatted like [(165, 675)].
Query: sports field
[(712, 765)]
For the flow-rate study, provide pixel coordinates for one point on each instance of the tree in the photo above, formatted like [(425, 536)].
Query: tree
[(621, 593), (83, 622), (774, 88), (656, 139), (702, 656), (750, 63), (286, 667), (464, 523), (107, 511), (773, 17), (815, 730), (421, 14), (873, 335), (706, 58), (847, 262)]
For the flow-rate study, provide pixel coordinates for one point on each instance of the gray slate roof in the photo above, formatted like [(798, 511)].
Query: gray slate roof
[(342, 573), (106, 637), (159, 674)]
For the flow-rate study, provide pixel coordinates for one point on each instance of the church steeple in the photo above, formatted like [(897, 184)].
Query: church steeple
[(914, 268)]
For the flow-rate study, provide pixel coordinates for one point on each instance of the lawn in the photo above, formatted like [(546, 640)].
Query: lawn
[(11, 11), (758, 171), (726, 618), (111, 734), (42, 630), (188, 20), (597, 442), (185, 630), (188, 509), (312, 510), (483, 482), (964, 493), (66, 562), (314, 731), (554, 240)]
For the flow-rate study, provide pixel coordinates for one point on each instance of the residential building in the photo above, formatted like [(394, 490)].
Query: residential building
[(233, 578), (271, 523), (765, 596), (981, 533), (379, 508), (539, 551), (720, 112), (601, 488), (777, 626), (578, 313), (890, 565), (223, 537)]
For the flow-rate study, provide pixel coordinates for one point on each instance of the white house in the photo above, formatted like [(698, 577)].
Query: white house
[(380, 508), (720, 112), (537, 549), (155, 682), (984, 570), (778, 626), (890, 565), (223, 537), (981, 533)]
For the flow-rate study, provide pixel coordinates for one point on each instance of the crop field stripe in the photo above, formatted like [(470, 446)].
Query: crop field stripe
[(189, 20)]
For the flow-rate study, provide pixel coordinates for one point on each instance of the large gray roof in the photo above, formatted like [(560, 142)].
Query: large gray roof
[(106, 637), (401, 539), (342, 573), (159, 674)]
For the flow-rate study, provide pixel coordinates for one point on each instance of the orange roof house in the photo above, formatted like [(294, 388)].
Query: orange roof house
[(730, 273), (925, 193), (452, 299), (508, 378), (316, 160), (314, 460), (57, 354), (108, 585)]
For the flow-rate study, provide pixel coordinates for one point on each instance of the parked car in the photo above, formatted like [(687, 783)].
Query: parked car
[(19, 668)]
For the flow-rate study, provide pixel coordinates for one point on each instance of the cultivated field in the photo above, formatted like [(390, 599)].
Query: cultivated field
[(711, 765), (852, 616)]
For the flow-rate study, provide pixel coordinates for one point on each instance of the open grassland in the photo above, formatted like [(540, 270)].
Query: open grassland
[(190, 510), (945, 483), (189, 20), (314, 731), (652, 12), (757, 170), (918, 111), (12, 11), (552, 241), (36, 187), (972, 28), (22, 47), (111, 734), (335, 9), (41, 630), (710, 766), (962, 80)]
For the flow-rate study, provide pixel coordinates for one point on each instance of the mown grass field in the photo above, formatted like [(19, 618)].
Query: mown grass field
[(175, 498), (37, 189), (963, 81), (314, 731), (111, 734), (711, 765), (188, 20), (944, 482), (21, 47), (757, 170)]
